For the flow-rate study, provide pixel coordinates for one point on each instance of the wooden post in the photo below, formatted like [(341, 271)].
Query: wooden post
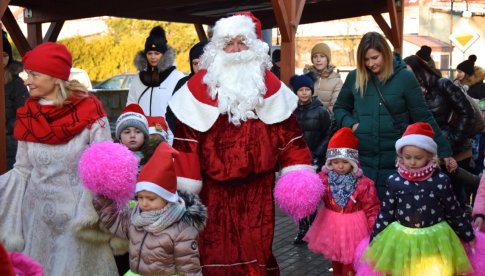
[(288, 14), (394, 33), (200, 32)]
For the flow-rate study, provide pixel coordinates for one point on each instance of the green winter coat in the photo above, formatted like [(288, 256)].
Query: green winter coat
[(376, 132)]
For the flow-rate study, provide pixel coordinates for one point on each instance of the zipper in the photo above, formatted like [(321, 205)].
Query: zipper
[(139, 252)]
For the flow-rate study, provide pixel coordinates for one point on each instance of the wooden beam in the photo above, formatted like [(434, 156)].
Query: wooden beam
[(282, 20), (288, 14), (44, 14), (3, 137), (3, 7), (15, 32), (395, 35), (53, 31), (200, 32), (381, 22), (400, 26), (300, 5), (34, 34)]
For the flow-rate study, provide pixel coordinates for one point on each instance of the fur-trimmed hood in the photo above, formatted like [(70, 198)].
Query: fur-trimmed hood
[(477, 77), (328, 72), (196, 214), (166, 62)]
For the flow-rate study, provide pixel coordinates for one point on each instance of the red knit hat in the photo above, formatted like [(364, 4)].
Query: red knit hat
[(419, 135), (158, 174), (132, 116), (49, 58), (343, 145), (158, 125)]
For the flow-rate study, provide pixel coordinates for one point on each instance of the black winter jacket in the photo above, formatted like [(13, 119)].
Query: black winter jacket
[(314, 121), (442, 98), (15, 95)]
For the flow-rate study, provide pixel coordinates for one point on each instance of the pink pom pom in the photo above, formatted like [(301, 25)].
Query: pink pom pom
[(362, 268), (477, 259), (109, 169), (25, 265), (298, 193)]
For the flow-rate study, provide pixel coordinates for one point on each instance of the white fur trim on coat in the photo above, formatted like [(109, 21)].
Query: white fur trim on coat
[(191, 111), (200, 116), (277, 107), (297, 168), (189, 185)]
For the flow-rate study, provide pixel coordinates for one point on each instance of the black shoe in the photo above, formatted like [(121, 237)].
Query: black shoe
[(299, 237)]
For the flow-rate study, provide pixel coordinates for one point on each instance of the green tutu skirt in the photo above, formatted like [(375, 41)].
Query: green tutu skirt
[(403, 251)]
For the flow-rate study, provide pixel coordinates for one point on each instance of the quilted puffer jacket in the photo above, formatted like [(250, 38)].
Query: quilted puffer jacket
[(443, 98), (174, 250)]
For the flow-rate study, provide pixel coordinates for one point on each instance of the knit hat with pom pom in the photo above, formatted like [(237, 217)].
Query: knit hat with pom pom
[(468, 66), (156, 41)]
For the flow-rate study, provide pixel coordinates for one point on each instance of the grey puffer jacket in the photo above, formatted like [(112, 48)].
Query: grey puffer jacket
[(171, 251)]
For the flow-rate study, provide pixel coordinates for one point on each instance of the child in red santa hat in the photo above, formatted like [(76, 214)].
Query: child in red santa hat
[(350, 204), (412, 233), (164, 225)]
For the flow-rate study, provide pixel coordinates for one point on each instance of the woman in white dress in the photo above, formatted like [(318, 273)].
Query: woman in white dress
[(46, 212)]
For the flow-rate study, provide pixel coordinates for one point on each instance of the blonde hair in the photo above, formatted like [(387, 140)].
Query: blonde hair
[(376, 41), (67, 89)]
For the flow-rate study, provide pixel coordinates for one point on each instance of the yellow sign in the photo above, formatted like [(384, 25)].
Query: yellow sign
[(464, 39)]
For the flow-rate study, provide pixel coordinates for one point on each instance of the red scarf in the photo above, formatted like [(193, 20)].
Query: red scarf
[(54, 125)]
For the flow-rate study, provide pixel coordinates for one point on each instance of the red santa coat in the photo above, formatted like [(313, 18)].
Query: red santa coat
[(236, 165)]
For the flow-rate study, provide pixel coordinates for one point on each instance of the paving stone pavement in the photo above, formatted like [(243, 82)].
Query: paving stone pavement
[(295, 259)]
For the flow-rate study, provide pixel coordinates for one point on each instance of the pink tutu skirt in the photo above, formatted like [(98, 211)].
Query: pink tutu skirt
[(336, 235)]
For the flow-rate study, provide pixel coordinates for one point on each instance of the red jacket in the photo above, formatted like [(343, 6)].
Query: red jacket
[(364, 198)]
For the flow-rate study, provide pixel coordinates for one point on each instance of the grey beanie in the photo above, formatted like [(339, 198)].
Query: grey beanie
[(132, 116)]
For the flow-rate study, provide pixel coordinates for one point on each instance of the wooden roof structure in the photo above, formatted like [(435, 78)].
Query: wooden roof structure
[(283, 14)]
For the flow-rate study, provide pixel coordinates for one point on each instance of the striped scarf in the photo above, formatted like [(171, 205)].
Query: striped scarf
[(158, 220)]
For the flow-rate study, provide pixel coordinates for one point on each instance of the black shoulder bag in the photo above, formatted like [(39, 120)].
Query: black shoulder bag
[(397, 124)]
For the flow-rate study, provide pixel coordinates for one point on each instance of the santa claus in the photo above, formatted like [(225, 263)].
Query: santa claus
[(236, 124)]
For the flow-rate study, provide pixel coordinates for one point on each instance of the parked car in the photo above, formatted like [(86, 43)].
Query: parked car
[(82, 76), (116, 82)]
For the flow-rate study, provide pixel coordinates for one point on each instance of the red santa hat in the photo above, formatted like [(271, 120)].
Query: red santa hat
[(158, 125), (343, 145), (419, 135), (132, 116), (158, 174), (240, 24)]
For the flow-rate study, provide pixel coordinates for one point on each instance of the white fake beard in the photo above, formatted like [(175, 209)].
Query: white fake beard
[(237, 80)]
